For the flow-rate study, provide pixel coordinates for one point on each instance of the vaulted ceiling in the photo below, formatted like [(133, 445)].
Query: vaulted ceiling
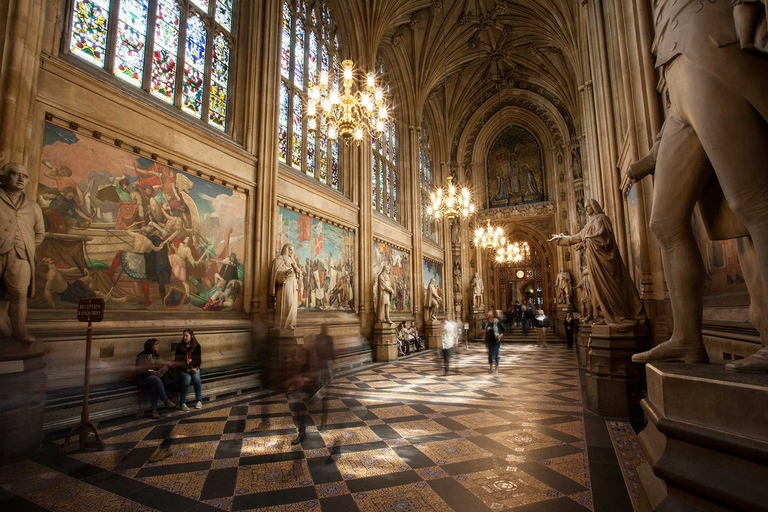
[(495, 54)]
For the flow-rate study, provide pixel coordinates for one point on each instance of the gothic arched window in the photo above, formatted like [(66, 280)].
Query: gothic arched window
[(426, 180), (179, 52), (384, 165), (308, 44)]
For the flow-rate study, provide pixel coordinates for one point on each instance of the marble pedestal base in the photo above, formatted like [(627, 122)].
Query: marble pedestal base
[(433, 329), (706, 442), (582, 344), (22, 400), (614, 383), (384, 342), (476, 323)]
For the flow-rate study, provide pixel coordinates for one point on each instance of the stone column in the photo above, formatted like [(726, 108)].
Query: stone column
[(21, 38), (706, 441)]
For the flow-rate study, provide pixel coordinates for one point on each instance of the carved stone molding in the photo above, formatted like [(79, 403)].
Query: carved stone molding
[(518, 210)]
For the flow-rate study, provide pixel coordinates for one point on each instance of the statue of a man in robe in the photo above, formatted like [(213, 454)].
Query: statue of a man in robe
[(285, 284), (433, 300), (612, 288), (385, 294), (477, 287), (24, 231), (563, 286)]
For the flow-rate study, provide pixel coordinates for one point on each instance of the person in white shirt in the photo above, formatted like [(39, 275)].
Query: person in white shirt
[(449, 339)]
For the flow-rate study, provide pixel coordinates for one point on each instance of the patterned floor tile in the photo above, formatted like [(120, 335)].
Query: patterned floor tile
[(452, 450), (221, 503), (331, 489), (107, 459), (189, 452), (369, 463), (418, 428), (397, 411), (630, 457), (414, 497), (483, 419), (506, 488), (189, 485), (524, 440), (273, 423), (135, 435), (267, 445), (302, 506), (575, 467), (198, 429), (336, 417), (273, 476), (348, 436)]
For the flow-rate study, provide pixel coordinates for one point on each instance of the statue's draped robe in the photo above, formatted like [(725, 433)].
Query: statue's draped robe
[(612, 288), (286, 288)]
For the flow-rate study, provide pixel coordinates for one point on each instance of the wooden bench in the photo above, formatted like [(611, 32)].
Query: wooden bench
[(124, 398)]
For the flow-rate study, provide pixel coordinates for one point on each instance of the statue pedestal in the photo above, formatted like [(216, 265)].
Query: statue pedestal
[(476, 323), (582, 344), (290, 347), (614, 383), (561, 311), (384, 342), (22, 400), (433, 329), (706, 439)]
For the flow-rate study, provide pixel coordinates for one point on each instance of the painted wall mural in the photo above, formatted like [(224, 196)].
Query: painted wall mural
[(139, 234), (432, 269), (400, 261), (326, 253), (514, 169)]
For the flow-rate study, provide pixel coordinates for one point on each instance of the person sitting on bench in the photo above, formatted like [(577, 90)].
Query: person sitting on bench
[(150, 369)]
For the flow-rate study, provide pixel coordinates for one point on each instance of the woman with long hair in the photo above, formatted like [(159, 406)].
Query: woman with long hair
[(188, 359), (149, 370)]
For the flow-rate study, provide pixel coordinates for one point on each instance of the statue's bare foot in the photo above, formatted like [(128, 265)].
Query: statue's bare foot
[(756, 363), (23, 336), (673, 351)]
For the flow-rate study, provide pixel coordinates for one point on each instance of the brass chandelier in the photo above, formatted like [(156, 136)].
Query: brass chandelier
[(516, 252), (449, 203), (347, 112), (489, 237)]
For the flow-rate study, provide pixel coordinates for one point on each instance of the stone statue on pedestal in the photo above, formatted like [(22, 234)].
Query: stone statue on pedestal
[(285, 283), (457, 277), (477, 287), (24, 231), (587, 310), (433, 300), (712, 150), (612, 287), (563, 286), (385, 294)]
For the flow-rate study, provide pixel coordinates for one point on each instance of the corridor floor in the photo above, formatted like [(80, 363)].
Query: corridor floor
[(399, 437)]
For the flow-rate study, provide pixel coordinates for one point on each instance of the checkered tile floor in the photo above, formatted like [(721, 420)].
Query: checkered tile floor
[(399, 436)]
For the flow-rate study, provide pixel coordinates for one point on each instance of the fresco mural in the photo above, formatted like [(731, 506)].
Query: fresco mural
[(514, 169), (400, 261), (139, 234), (327, 255), (432, 269)]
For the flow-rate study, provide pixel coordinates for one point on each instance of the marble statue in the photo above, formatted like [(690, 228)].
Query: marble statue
[(563, 286), (433, 300), (24, 231), (612, 288), (711, 150), (457, 277), (455, 233), (477, 287), (385, 294), (285, 284), (587, 310)]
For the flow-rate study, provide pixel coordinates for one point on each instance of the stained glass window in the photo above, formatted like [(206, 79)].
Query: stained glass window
[(163, 83), (131, 40), (385, 169), (149, 59), (305, 50), (194, 66), (89, 30), (426, 181)]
